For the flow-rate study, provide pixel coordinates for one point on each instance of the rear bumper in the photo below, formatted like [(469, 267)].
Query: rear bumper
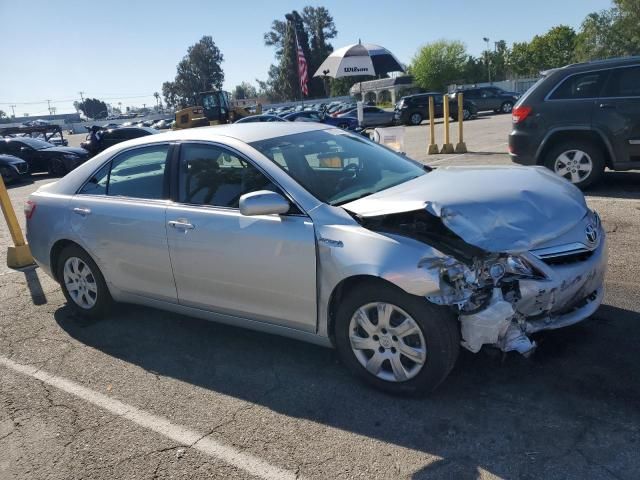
[(522, 148)]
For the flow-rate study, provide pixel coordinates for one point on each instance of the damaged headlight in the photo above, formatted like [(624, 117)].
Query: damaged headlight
[(509, 266)]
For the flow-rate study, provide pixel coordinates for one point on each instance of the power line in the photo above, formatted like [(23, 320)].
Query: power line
[(66, 100)]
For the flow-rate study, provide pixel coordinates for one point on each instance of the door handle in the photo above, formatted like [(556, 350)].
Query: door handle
[(82, 211), (181, 224), (607, 105)]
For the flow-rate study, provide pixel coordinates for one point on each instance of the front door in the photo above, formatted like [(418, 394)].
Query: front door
[(119, 215), (257, 267), (618, 113)]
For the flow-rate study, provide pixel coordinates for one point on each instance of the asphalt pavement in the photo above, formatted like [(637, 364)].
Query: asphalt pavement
[(150, 394)]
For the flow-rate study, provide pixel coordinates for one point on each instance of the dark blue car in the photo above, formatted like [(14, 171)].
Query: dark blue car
[(320, 117)]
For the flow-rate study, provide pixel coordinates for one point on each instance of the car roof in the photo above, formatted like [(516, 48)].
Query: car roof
[(244, 132), (596, 64)]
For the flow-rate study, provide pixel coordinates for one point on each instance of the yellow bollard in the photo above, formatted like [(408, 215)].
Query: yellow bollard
[(19, 255), (447, 147), (433, 148), (461, 147)]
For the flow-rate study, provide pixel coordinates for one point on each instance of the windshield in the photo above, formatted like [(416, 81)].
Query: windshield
[(338, 167), (35, 143)]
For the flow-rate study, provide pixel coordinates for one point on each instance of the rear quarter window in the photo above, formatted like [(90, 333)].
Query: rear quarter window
[(579, 86)]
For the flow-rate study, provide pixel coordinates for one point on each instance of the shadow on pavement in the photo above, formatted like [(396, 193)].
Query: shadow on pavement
[(617, 185), (491, 413)]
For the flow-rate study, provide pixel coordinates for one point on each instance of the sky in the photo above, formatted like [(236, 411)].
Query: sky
[(123, 50)]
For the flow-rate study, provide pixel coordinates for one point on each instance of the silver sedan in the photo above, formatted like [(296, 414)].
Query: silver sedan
[(308, 231)]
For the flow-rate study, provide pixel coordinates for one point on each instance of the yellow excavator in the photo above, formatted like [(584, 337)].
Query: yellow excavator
[(214, 108)]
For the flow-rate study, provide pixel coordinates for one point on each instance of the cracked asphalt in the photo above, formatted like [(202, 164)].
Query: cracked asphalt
[(572, 411)]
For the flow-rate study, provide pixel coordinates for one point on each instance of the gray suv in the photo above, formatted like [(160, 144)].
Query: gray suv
[(579, 119), (491, 98)]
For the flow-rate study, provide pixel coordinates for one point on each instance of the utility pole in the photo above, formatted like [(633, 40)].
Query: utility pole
[(486, 39), (13, 110), (49, 106), (81, 96)]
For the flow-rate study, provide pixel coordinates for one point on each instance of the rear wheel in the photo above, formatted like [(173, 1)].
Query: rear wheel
[(415, 118), (82, 283), (395, 341), (506, 107), (579, 161)]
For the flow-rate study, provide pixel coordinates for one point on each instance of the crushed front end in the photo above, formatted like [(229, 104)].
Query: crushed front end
[(502, 298)]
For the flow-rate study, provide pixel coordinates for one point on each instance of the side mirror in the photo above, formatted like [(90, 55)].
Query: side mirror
[(24, 149), (263, 202)]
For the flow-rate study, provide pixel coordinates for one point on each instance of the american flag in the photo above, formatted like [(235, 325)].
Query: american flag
[(302, 70)]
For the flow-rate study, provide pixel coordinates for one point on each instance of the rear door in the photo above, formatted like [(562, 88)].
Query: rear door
[(617, 113), (119, 215), (571, 103)]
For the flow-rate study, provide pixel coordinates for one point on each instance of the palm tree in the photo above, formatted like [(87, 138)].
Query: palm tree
[(157, 95)]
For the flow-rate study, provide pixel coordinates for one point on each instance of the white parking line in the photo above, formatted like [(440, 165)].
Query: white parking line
[(182, 435)]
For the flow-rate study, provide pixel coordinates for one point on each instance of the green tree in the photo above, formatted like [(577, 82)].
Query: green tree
[(610, 33), (553, 49), (314, 28), (199, 70), (438, 64), (2, 114), (244, 90), (93, 108), (320, 28)]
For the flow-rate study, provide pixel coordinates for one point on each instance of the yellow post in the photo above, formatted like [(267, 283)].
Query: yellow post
[(461, 147), (433, 148), (19, 255), (447, 147)]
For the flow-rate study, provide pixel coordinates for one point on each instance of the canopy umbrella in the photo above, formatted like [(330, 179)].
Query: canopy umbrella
[(359, 59)]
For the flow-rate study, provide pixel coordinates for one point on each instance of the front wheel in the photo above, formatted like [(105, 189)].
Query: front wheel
[(578, 161), (57, 168), (82, 283), (395, 341)]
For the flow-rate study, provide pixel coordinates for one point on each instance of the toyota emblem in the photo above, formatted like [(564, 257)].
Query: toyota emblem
[(592, 233)]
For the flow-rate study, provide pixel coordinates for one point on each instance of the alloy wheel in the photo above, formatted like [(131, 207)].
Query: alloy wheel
[(416, 119), (507, 107), (574, 165), (80, 283), (387, 342)]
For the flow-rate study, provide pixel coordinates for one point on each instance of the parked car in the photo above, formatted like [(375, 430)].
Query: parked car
[(372, 116), (111, 137), (316, 116), (162, 124), (43, 156), (490, 98), (13, 168), (579, 119), (342, 108), (319, 234), (260, 118), (413, 109)]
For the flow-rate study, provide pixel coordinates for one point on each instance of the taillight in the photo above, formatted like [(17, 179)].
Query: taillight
[(29, 209), (519, 114)]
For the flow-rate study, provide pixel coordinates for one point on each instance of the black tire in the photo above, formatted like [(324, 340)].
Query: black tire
[(103, 300), (56, 168), (438, 325), (594, 152), (506, 107), (415, 118)]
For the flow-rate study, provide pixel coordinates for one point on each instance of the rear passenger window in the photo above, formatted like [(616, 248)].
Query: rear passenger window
[(623, 82), (137, 174), (584, 85)]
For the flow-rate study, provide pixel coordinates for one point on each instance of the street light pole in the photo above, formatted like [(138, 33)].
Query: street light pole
[(486, 39)]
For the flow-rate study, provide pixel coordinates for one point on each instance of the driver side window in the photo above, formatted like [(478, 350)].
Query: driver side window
[(211, 175)]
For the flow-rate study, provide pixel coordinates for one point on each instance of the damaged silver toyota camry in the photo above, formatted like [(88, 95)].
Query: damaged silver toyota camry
[(321, 235)]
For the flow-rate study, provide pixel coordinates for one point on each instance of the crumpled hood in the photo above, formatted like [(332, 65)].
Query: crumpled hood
[(498, 209)]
